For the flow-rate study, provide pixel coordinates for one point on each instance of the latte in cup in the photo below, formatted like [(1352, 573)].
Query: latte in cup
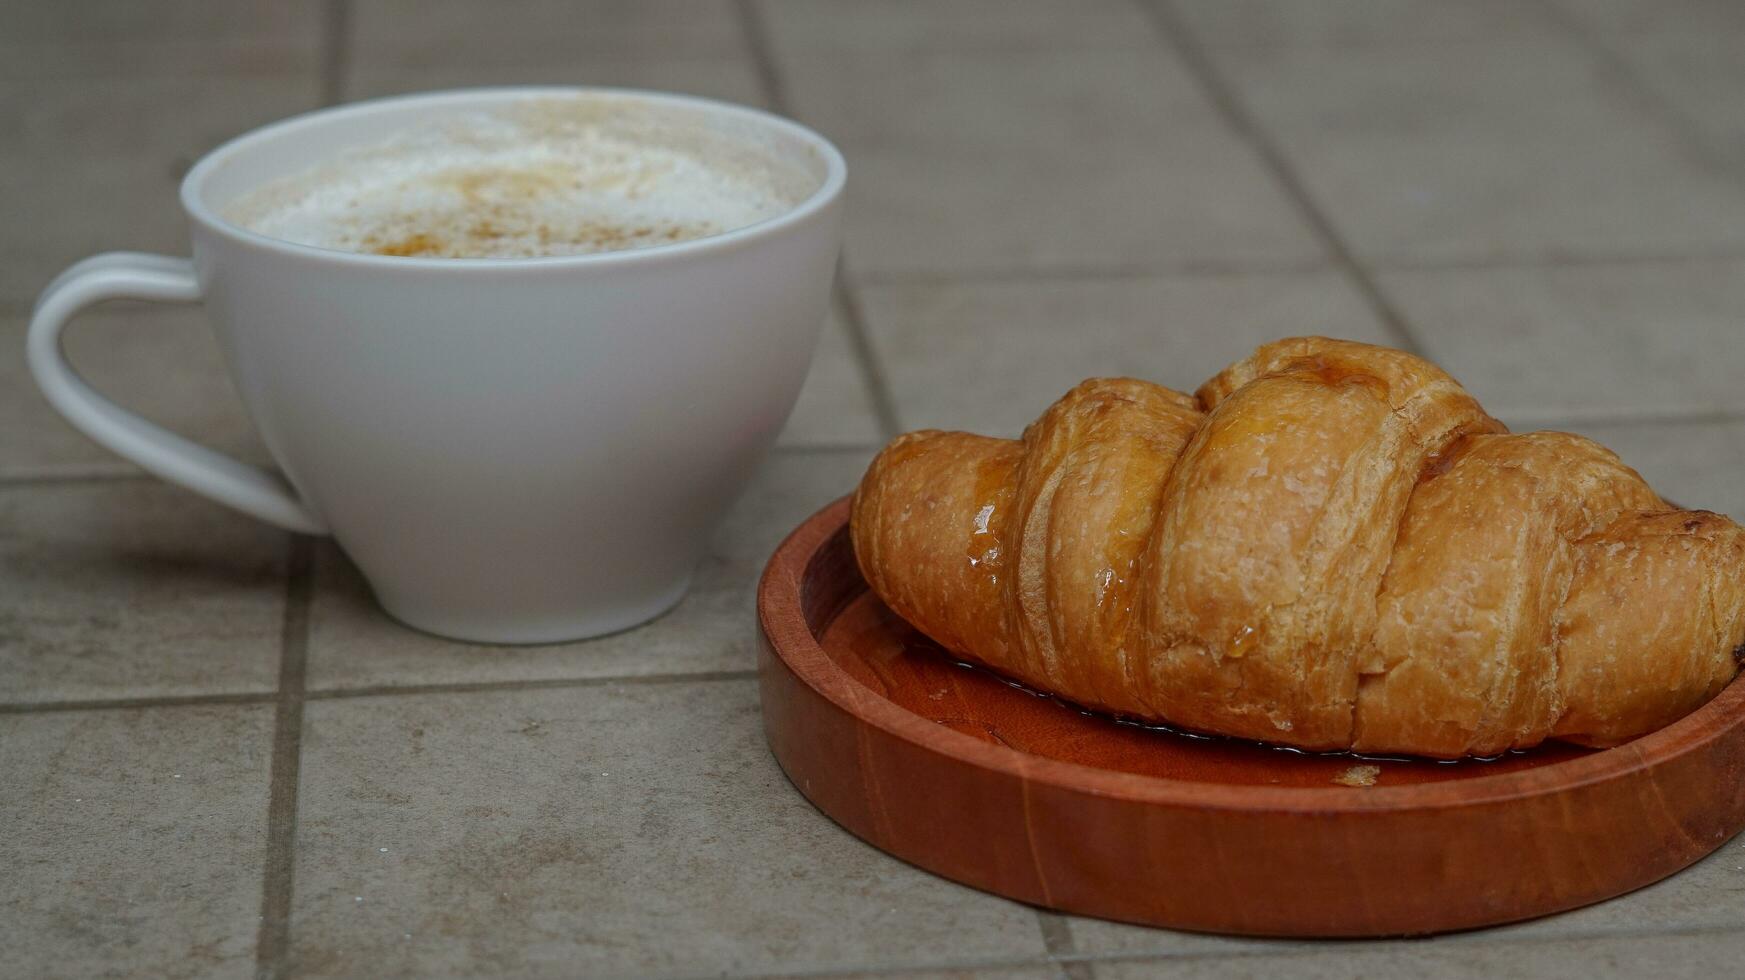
[(511, 448), (548, 177)]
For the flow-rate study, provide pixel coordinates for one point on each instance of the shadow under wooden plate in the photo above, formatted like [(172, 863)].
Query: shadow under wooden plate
[(959, 772)]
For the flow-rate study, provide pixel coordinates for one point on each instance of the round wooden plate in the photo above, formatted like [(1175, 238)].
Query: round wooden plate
[(959, 772)]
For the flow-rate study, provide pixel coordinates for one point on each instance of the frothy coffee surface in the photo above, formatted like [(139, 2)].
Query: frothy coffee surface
[(553, 176)]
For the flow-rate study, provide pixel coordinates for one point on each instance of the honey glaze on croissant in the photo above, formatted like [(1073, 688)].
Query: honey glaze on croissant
[(1331, 546)]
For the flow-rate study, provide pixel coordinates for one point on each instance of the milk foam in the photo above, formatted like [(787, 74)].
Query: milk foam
[(554, 176)]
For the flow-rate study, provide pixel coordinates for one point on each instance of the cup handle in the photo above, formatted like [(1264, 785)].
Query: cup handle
[(158, 278)]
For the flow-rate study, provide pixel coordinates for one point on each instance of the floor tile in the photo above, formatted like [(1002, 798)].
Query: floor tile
[(1099, 937), (353, 643), (130, 588), (629, 830), (989, 357), (1344, 23), (1486, 152), (93, 164), (1639, 17), (813, 26), (1608, 340), (641, 828), (1685, 53), (134, 841), (1039, 972), (730, 79), (161, 362), (835, 408), (1701, 77), (166, 37), (1703, 956), (976, 162), (463, 34)]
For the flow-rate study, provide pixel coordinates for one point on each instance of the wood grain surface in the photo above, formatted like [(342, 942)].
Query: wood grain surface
[(962, 773)]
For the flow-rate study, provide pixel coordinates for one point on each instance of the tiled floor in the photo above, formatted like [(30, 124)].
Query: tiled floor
[(221, 760)]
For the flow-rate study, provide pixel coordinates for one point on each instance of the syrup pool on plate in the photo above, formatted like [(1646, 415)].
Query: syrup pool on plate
[(882, 651)]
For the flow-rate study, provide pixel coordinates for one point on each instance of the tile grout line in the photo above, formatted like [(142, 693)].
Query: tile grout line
[(1289, 950), (544, 684), (1057, 938), (1245, 127), (872, 372), (335, 50), (273, 940), (1682, 127), (846, 297), (57, 479), (1553, 261), (1203, 269), (1304, 948), (1190, 269), (755, 33), (856, 970), (124, 704), (826, 448), (382, 690), (1647, 418), (98, 477)]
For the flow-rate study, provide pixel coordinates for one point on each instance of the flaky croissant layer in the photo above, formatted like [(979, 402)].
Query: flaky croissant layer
[(1331, 546)]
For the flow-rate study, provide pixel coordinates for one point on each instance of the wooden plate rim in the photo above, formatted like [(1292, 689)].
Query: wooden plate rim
[(781, 616)]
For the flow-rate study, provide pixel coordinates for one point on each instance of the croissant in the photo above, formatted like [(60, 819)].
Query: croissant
[(1330, 547)]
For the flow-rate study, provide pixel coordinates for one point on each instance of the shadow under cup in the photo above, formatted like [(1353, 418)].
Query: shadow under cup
[(515, 450)]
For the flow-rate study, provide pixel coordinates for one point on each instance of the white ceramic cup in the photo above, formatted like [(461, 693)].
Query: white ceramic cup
[(512, 450)]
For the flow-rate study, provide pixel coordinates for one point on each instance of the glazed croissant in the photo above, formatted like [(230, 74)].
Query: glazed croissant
[(1332, 547)]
